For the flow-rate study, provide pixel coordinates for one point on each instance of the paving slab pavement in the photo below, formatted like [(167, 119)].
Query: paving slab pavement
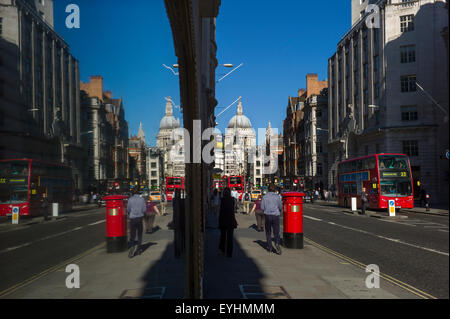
[(308, 273)]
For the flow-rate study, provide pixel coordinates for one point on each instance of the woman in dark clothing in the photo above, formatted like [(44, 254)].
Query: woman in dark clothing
[(227, 223)]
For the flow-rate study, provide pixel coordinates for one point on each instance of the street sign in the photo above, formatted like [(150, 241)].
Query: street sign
[(392, 208), (15, 215)]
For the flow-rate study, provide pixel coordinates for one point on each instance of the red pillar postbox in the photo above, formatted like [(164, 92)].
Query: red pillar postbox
[(293, 220), (116, 223)]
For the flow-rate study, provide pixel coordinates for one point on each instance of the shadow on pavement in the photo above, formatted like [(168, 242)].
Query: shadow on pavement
[(167, 273), (222, 278)]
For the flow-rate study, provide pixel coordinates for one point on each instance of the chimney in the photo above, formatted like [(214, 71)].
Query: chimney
[(108, 94), (313, 85), (94, 88)]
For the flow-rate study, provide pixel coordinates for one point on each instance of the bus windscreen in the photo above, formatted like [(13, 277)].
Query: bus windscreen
[(13, 182), (235, 180)]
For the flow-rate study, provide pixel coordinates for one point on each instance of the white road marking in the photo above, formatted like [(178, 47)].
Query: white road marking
[(313, 218), (99, 222), (390, 239), (48, 237), (396, 222)]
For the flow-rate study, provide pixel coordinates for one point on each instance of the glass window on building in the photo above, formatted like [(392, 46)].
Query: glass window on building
[(409, 112), (408, 54), (411, 148), (407, 23), (153, 173), (153, 165), (408, 83)]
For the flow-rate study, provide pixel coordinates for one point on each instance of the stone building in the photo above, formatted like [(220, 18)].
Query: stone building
[(389, 89), (137, 152), (291, 142), (39, 88), (240, 140), (270, 158), (170, 141), (104, 136), (219, 152), (313, 161), (155, 168), (294, 132)]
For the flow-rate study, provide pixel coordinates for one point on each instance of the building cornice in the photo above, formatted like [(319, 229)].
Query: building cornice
[(24, 5)]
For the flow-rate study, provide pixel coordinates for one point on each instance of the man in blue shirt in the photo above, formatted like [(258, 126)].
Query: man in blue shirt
[(136, 208), (272, 206)]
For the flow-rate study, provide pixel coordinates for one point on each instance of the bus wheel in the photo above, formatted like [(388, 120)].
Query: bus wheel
[(345, 202)]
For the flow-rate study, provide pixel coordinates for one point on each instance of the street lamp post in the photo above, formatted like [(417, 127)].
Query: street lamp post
[(226, 65)]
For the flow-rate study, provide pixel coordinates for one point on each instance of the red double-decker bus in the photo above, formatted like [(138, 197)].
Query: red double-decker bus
[(236, 182), (173, 183), (24, 181), (384, 176)]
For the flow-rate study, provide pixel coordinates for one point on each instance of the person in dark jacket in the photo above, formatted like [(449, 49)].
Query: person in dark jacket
[(136, 209), (44, 206), (272, 207), (227, 223), (152, 210), (364, 201), (260, 218)]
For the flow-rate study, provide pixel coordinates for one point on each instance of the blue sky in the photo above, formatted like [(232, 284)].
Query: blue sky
[(278, 42)]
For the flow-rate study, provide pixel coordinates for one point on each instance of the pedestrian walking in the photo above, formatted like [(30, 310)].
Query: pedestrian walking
[(325, 195), (247, 200), (163, 203), (235, 195), (216, 202), (259, 214), (272, 206), (152, 210), (227, 223), (364, 201), (422, 197), (316, 194), (44, 206), (136, 208)]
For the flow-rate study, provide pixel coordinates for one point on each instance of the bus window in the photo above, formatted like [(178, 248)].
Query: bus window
[(353, 188), (396, 188), (359, 165)]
